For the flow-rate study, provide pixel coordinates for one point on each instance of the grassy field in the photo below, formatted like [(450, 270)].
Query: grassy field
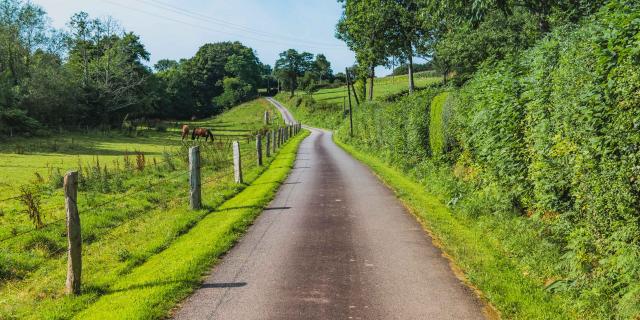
[(22, 158), (383, 87), (129, 215)]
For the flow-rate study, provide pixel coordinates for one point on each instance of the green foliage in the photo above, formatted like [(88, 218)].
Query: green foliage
[(556, 129), (94, 73), (467, 46), (215, 62), (437, 125), (290, 66), (417, 67), (16, 121), (235, 91)]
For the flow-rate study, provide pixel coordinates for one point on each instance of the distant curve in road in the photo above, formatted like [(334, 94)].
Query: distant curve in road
[(335, 243)]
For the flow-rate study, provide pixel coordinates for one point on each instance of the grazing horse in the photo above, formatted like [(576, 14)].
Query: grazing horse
[(185, 131), (202, 132)]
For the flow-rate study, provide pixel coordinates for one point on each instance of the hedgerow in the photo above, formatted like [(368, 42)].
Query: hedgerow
[(557, 128), (545, 148)]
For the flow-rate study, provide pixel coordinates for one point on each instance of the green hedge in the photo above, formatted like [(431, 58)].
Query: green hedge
[(543, 149), (552, 135), (558, 128), (437, 125)]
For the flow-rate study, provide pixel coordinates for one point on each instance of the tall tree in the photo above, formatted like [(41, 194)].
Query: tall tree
[(216, 61), (292, 65), (365, 26), (408, 35), (323, 67)]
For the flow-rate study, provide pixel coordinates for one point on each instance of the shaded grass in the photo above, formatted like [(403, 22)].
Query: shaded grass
[(153, 288), (474, 249)]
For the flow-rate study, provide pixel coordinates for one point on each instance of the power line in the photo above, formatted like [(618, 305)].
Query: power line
[(210, 29), (227, 24)]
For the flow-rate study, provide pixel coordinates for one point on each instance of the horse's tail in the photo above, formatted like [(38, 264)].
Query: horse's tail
[(193, 134)]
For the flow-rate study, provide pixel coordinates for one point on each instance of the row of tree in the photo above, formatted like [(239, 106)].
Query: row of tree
[(96, 74), (457, 36)]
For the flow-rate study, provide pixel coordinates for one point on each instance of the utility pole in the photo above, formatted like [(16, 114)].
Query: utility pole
[(353, 88), (350, 109), (344, 104)]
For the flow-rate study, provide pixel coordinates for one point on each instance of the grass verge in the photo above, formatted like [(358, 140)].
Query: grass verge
[(153, 288), (474, 250)]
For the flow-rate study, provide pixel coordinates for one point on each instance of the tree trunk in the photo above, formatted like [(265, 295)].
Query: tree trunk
[(410, 69), (364, 88), (293, 90), (373, 75)]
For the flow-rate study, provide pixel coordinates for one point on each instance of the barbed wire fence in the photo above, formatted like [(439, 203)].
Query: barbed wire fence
[(249, 159)]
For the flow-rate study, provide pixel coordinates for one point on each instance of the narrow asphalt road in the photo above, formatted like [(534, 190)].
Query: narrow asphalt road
[(335, 243)]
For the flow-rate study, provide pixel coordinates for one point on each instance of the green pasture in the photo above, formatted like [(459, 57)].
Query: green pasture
[(382, 88), (22, 158), (128, 215)]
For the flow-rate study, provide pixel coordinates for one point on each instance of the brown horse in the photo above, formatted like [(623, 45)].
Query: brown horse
[(202, 132), (185, 131)]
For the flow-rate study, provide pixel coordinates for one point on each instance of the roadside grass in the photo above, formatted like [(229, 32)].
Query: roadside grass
[(154, 287), (472, 246), (144, 213)]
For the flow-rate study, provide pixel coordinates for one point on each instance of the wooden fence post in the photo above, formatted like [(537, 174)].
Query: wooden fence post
[(74, 237), (259, 148), (267, 143), (266, 117), (195, 197), (350, 109), (273, 140), (237, 162), (279, 137)]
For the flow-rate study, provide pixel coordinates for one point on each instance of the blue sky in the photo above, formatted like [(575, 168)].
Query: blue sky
[(176, 29)]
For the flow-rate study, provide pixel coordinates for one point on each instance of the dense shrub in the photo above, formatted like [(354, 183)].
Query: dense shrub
[(545, 146), (436, 124), (16, 121), (399, 131), (558, 128)]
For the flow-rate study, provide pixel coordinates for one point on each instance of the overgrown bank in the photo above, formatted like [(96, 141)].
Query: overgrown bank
[(536, 159)]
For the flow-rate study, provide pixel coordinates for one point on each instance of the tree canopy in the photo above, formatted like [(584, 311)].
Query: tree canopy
[(95, 73)]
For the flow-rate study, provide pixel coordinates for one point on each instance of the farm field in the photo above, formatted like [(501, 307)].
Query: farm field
[(382, 87), (22, 158), (122, 195)]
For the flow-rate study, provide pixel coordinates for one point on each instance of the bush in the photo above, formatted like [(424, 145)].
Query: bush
[(16, 121), (558, 128), (436, 124)]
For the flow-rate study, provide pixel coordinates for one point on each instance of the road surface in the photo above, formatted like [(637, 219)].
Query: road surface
[(335, 243)]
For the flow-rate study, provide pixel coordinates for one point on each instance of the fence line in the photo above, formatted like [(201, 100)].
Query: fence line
[(250, 160)]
